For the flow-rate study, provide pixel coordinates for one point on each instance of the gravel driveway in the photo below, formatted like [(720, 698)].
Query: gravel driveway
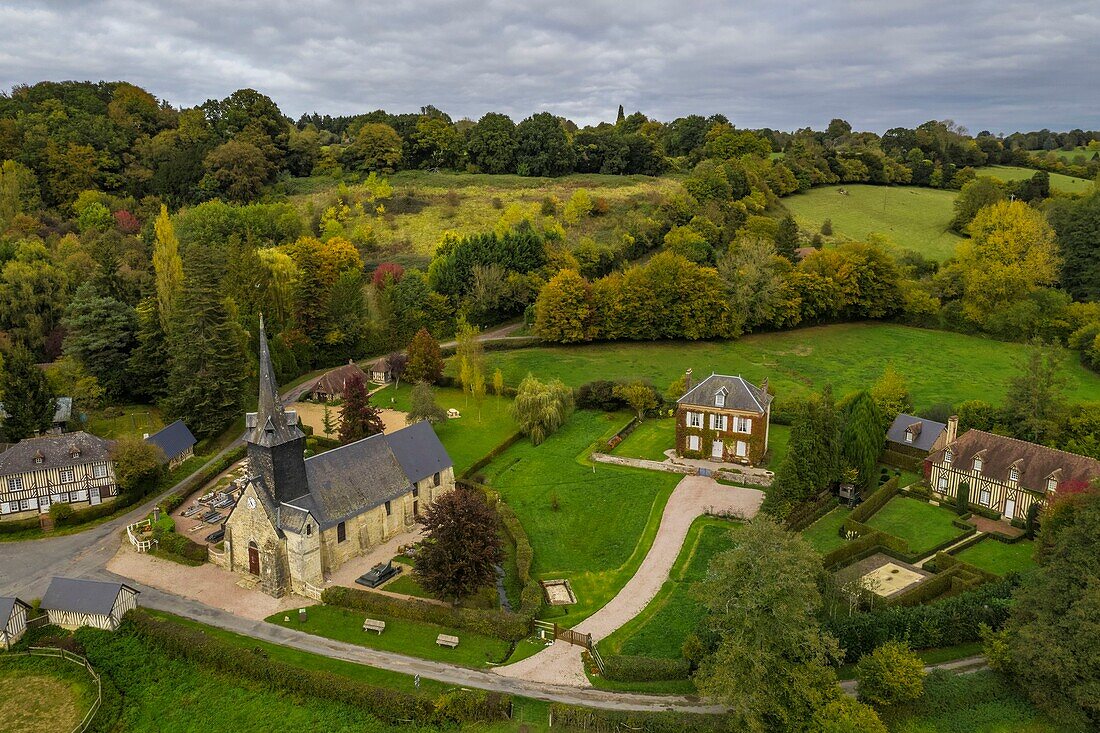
[(695, 495)]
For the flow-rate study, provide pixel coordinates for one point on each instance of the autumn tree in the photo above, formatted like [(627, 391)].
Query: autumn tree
[(471, 363), (462, 549), (891, 395), (774, 675), (541, 408), (28, 399), (377, 147), (358, 417), (168, 268), (397, 362), (846, 715), (890, 675), (236, 169), (640, 396), (564, 309), (425, 360), (422, 406), (138, 465)]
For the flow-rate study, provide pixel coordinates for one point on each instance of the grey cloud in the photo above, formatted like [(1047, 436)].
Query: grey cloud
[(1001, 66)]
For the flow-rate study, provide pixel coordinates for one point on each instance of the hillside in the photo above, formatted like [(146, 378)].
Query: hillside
[(1058, 181), (912, 218)]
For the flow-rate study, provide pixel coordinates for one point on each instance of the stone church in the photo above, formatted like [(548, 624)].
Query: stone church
[(299, 519)]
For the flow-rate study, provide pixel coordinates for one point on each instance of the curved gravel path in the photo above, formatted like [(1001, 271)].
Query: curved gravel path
[(560, 663)]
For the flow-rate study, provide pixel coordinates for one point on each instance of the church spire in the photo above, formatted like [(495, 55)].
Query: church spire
[(270, 424)]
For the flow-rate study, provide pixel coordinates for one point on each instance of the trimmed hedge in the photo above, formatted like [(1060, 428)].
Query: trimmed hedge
[(498, 624), (599, 720), (898, 459), (955, 620), (389, 705), (19, 525), (488, 458), (864, 546), (623, 668), (806, 513), (875, 501)]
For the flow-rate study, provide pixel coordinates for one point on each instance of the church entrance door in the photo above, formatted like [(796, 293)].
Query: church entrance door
[(253, 558)]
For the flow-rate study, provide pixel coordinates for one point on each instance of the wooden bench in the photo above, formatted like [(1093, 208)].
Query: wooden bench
[(371, 624), (447, 640)]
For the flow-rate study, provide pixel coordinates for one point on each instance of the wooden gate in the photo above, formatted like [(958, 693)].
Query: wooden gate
[(573, 637)]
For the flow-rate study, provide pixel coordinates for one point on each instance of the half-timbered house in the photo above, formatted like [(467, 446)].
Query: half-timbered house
[(72, 468), (1005, 475), (72, 602), (13, 621)]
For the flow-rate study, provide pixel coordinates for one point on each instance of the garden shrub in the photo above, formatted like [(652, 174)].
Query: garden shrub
[(19, 525), (599, 720), (599, 395), (176, 547), (869, 542), (947, 622), (498, 624), (623, 668), (803, 515), (899, 459), (890, 675)]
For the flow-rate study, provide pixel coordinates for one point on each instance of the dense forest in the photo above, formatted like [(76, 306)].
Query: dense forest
[(139, 243)]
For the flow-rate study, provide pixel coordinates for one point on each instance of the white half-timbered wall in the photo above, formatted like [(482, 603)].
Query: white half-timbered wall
[(34, 491), (985, 491), (16, 625), (126, 601)]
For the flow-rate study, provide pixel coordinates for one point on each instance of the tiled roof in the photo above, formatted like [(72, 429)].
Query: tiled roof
[(926, 431), (82, 596), (1036, 463), (62, 412), (332, 382), (740, 394), (56, 451)]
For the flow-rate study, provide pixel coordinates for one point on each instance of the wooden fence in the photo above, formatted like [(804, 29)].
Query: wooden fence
[(573, 637), (39, 651)]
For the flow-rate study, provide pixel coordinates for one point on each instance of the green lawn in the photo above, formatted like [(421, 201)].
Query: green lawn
[(467, 439), (778, 438), (414, 638), (917, 522), (1000, 557), (938, 366), (983, 702), (606, 516), (122, 421), (1058, 181), (649, 440), (912, 218), (663, 625), (824, 534), (43, 694)]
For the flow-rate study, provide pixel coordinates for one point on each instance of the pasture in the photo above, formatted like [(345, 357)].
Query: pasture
[(938, 366), (426, 204), (589, 523), (43, 695), (911, 218), (1058, 181)]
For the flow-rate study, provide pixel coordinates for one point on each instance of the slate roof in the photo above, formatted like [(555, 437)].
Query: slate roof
[(740, 394), (82, 596), (56, 452), (62, 413), (172, 439), (926, 431), (1036, 463), (7, 605), (271, 424), (419, 451), (349, 480)]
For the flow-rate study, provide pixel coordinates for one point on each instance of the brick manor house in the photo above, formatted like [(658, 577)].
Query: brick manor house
[(723, 418), (1006, 475), (299, 519)]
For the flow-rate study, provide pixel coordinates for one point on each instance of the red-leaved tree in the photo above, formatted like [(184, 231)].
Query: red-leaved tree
[(358, 418)]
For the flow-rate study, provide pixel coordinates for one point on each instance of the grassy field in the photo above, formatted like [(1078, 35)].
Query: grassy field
[(1071, 156), (912, 218), (124, 421), (605, 516), (938, 366), (824, 534), (660, 629), (778, 438), (1058, 181), (999, 557), (983, 702), (427, 204), (917, 522), (42, 695), (649, 440), (414, 638), (467, 439)]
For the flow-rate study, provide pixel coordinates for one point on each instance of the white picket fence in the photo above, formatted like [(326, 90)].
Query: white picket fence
[(132, 532)]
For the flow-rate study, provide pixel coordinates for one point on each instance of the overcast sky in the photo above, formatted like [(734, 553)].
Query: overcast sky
[(1001, 66)]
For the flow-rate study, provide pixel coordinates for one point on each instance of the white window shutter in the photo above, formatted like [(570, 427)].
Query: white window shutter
[(748, 425), (712, 416)]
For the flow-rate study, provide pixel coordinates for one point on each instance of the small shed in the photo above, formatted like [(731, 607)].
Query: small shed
[(72, 603), (330, 385), (379, 371), (13, 616), (176, 441), (62, 414)]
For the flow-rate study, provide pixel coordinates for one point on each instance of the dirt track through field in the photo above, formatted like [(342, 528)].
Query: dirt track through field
[(560, 664)]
